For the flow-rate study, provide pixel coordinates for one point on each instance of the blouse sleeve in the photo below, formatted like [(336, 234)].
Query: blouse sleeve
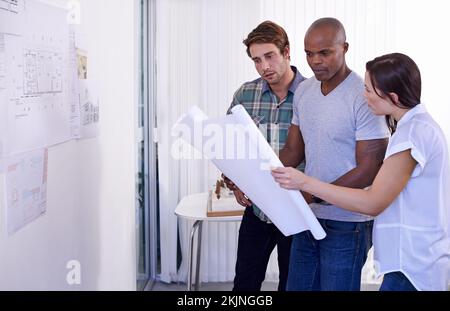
[(413, 138)]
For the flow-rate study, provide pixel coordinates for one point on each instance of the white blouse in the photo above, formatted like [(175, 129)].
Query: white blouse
[(412, 235)]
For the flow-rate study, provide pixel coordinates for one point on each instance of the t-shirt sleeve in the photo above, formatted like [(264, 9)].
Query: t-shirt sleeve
[(295, 117), (368, 125), (409, 138)]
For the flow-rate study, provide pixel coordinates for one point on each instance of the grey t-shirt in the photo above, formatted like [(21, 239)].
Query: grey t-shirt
[(331, 125)]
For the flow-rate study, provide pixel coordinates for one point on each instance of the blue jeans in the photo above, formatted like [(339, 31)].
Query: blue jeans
[(396, 281), (331, 264), (257, 240)]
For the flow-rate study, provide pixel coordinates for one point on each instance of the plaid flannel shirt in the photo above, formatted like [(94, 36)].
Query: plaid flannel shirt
[(268, 112)]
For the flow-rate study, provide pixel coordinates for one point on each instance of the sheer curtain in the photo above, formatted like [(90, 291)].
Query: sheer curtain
[(201, 61)]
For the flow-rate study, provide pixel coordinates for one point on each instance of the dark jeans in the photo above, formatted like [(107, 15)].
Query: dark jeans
[(396, 281), (333, 263), (257, 240)]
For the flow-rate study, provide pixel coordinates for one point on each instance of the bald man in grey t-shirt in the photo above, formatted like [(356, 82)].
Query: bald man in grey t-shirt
[(342, 143), (331, 127)]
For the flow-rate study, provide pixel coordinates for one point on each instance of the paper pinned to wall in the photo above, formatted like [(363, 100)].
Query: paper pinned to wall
[(13, 6), (37, 90), (26, 188), (88, 100), (89, 106), (236, 146)]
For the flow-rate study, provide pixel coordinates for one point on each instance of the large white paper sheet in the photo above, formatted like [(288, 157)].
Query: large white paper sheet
[(37, 73), (238, 149)]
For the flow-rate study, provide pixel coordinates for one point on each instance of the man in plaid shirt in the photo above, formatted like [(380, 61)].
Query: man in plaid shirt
[(268, 100)]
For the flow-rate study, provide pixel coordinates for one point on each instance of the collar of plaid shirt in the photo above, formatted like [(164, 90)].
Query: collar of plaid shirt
[(297, 79)]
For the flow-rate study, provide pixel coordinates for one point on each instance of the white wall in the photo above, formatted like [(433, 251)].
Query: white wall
[(421, 34), (91, 183)]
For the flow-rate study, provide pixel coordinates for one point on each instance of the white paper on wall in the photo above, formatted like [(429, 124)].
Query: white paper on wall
[(12, 6), (38, 67), (26, 188), (89, 110)]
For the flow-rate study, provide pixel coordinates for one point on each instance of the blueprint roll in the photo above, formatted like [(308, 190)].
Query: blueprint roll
[(248, 166), (300, 209), (258, 141)]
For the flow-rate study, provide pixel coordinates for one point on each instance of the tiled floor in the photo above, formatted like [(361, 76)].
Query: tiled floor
[(267, 286)]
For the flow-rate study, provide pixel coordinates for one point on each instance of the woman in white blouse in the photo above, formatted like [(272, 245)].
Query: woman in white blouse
[(411, 193)]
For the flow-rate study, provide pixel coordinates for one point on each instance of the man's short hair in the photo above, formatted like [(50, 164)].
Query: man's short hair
[(330, 22), (268, 32)]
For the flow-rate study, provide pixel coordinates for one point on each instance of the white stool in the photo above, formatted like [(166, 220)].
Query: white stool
[(193, 207)]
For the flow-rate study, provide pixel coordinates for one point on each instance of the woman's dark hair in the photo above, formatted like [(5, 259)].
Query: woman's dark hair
[(396, 73), (268, 32)]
